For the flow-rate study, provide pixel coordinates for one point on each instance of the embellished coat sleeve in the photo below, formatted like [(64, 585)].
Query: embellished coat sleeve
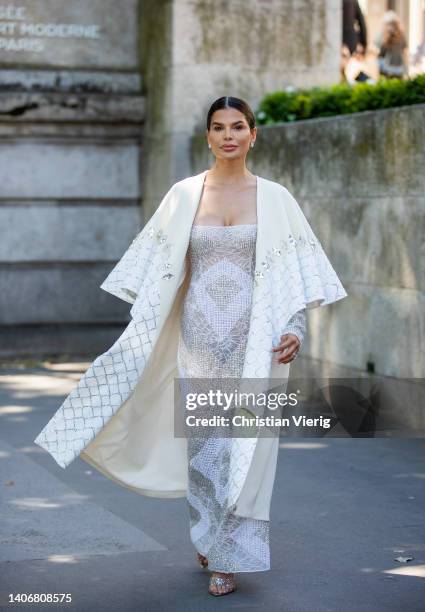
[(129, 274), (297, 325)]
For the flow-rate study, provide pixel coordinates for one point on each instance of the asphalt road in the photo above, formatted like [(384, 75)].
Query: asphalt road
[(342, 511)]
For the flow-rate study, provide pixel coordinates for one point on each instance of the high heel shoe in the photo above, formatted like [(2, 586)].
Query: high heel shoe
[(220, 581), (203, 561)]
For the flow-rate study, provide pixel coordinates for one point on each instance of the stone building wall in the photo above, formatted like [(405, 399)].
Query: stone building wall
[(71, 117), (194, 51)]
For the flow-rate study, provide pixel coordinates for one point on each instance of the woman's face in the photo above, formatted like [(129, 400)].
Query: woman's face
[(229, 134)]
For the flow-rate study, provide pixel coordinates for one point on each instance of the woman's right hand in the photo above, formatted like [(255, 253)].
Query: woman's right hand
[(289, 345)]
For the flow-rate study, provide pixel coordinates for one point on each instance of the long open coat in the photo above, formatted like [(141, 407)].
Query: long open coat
[(120, 416)]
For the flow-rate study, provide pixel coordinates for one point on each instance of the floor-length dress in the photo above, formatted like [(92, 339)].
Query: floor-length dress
[(214, 328)]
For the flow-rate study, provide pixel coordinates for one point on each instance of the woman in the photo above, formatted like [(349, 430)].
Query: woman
[(214, 330), (219, 280), (391, 48)]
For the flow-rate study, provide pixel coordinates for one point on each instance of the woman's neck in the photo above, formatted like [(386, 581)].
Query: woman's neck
[(229, 175)]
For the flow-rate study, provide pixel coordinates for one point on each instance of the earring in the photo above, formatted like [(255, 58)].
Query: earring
[(209, 146), (252, 144)]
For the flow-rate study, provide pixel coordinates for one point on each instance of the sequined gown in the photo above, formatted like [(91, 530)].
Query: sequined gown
[(214, 328)]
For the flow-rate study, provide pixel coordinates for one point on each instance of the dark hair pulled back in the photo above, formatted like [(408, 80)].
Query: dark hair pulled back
[(231, 102)]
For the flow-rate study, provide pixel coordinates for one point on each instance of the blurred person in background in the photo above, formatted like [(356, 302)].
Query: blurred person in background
[(391, 48), (353, 66), (354, 31)]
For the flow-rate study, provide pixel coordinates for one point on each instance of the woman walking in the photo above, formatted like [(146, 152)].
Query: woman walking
[(219, 280), (214, 331)]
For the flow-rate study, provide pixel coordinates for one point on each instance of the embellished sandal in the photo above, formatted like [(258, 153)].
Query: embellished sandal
[(203, 561), (222, 581)]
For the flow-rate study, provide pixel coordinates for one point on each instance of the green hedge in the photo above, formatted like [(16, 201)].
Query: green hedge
[(342, 99)]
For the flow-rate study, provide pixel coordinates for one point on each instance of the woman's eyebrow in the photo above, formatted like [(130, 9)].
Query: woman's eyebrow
[(234, 123)]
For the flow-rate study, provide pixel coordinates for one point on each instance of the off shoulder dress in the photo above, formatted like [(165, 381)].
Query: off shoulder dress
[(214, 325)]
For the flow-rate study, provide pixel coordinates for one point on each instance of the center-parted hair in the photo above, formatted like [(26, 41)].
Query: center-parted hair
[(231, 102)]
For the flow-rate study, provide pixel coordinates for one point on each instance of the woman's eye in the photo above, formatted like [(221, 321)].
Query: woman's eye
[(238, 127)]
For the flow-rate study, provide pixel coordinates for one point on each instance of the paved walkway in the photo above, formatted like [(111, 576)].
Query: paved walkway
[(342, 511)]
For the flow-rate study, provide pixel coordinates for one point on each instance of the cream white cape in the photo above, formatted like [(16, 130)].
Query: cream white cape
[(119, 418)]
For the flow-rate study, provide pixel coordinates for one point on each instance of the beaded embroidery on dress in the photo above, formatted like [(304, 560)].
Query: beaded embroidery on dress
[(214, 328)]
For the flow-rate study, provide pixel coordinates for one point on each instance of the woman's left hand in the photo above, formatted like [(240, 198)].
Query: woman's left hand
[(289, 345)]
